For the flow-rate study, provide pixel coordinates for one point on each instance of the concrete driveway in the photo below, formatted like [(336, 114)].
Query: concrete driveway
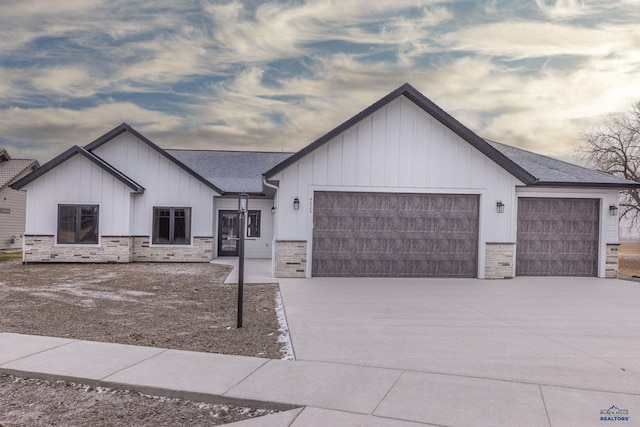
[(580, 333)]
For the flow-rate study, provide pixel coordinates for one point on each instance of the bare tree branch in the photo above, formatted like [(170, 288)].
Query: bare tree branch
[(615, 148)]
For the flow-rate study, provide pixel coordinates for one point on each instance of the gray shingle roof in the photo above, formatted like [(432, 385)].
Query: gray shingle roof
[(549, 171), (231, 171)]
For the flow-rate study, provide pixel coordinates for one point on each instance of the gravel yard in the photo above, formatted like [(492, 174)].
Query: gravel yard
[(177, 306)]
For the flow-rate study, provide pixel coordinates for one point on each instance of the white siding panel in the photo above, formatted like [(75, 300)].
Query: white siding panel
[(406, 144), (320, 165), (302, 219), (434, 155), (378, 149), (335, 161), (363, 160), (421, 153), (286, 214), (449, 159), (349, 156), (392, 162)]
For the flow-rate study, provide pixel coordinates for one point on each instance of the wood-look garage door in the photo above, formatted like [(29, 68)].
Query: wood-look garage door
[(395, 235), (557, 237)]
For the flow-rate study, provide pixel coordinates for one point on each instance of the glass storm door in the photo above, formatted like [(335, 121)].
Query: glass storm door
[(228, 226)]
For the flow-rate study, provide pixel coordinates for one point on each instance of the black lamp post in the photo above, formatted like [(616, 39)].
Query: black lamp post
[(243, 206)]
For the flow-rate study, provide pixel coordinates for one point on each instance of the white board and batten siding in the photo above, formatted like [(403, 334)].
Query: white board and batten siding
[(255, 247), (165, 183), (400, 148), (77, 181)]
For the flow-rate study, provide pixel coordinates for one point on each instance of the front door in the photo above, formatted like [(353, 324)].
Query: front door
[(228, 226)]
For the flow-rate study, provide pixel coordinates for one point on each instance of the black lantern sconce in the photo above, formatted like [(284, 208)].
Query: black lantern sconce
[(296, 203), (500, 207), (273, 209), (613, 210)]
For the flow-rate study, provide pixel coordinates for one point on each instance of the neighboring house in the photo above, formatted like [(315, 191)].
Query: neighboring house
[(12, 202), (400, 190)]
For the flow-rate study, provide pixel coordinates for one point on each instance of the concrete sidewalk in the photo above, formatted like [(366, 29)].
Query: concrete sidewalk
[(310, 393), (256, 270)]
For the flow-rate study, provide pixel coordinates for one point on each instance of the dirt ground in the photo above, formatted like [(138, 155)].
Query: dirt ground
[(177, 306), (31, 402), (629, 260)]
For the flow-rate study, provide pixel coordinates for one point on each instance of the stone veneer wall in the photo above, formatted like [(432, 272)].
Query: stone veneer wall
[(611, 264), (499, 260), (291, 258), (39, 248), (200, 250)]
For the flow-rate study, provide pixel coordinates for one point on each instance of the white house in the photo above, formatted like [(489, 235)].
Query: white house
[(12, 202), (402, 189), (122, 198)]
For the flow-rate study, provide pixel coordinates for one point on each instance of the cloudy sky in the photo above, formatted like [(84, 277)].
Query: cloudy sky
[(275, 75)]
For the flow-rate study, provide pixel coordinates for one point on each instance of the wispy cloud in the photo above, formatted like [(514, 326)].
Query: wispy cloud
[(276, 74)]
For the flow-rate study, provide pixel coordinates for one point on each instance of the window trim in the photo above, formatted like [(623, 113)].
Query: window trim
[(248, 227), (172, 209), (78, 224)]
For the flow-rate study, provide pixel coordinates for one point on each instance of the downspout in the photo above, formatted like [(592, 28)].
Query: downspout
[(275, 226)]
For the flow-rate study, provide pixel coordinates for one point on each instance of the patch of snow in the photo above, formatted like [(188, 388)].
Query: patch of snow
[(77, 290), (284, 338)]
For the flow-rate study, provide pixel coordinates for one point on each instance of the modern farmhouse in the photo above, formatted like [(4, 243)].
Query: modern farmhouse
[(400, 190)]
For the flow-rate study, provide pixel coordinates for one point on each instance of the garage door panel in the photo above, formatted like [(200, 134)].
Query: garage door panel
[(395, 235), (395, 268), (557, 237)]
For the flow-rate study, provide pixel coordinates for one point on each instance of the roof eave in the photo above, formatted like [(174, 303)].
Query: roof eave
[(608, 185), (33, 165)]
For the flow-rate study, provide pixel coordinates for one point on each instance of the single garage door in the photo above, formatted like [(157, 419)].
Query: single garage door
[(395, 235), (557, 237)]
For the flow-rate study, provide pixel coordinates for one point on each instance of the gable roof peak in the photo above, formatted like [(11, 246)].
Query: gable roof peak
[(69, 154), (124, 127), (424, 103)]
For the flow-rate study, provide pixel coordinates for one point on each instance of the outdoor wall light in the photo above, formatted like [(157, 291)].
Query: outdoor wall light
[(273, 209), (500, 207), (613, 210), (296, 203), (243, 202)]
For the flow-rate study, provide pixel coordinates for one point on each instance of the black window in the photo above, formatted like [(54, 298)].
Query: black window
[(78, 224), (171, 226), (253, 224)]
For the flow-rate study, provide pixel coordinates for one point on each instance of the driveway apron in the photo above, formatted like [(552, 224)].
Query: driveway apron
[(568, 332)]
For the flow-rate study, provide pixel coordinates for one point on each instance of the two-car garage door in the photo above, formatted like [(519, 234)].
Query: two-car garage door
[(395, 235)]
